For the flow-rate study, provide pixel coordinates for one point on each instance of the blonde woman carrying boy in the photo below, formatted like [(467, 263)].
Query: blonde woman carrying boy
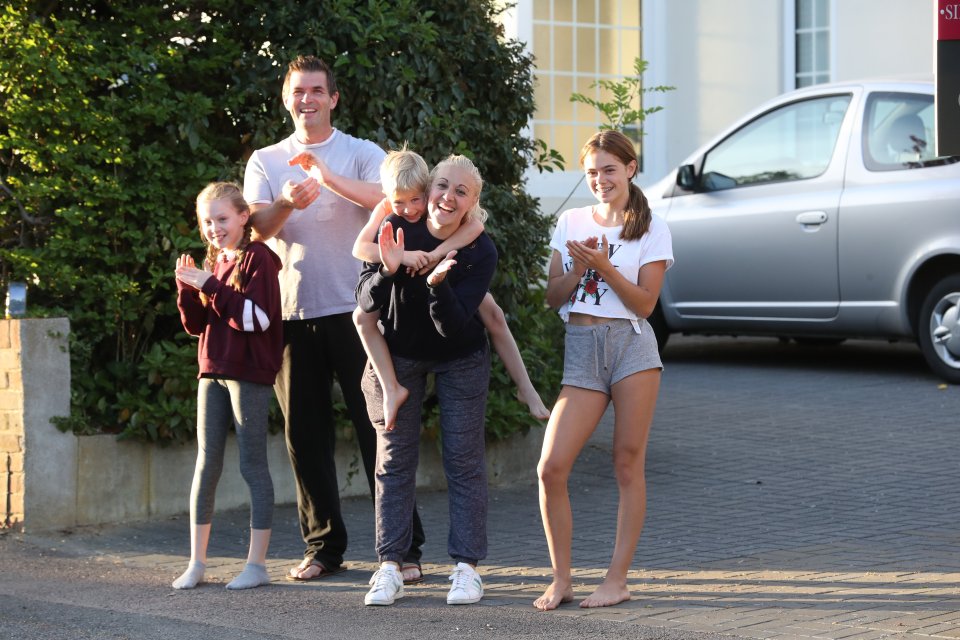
[(405, 179)]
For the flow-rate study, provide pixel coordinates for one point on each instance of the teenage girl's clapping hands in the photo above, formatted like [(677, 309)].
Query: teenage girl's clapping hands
[(586, 254)]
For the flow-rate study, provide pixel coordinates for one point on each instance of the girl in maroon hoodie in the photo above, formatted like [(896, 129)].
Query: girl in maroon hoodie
[(233, 305)]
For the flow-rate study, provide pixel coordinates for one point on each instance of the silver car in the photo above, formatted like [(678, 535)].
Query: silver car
[(822, 215)]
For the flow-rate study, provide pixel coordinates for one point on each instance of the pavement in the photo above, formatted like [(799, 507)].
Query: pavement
[(793, 492)]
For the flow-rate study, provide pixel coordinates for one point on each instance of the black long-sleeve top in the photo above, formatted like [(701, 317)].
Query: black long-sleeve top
[(431, 323)]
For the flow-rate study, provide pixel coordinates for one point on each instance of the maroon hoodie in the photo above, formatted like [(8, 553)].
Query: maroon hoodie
[(241, 334)]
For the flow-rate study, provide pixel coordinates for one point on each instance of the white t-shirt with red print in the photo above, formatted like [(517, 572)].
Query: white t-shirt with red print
[(593, 296)]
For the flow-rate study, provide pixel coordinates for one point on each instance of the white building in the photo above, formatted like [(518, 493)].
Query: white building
[(723, 56)]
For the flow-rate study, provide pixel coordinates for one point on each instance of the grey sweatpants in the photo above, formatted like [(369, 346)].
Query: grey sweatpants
[(246, 405), (461, 387)]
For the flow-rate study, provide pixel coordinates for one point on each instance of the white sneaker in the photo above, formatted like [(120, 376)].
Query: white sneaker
[(386, 586), (467, 587)]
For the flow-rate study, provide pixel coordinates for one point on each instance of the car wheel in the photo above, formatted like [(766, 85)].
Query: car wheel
[(659, 326), (939, 329)]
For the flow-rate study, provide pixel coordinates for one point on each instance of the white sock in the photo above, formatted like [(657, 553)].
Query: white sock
[(253, 575), (191, 577)]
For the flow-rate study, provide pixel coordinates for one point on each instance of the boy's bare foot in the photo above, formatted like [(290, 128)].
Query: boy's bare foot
[(392, 402), (532, 399), (554, 596), (606, 595)]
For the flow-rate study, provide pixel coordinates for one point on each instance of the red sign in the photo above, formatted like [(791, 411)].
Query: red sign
[(948, 20)]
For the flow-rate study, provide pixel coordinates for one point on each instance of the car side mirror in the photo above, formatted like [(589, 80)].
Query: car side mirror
[(687, 177)]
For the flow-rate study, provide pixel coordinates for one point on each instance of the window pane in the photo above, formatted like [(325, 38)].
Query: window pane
[(608, 12), (563, 10), (563, 49), (609, 48), (541, 9), (582, 85), (565, 144), (587, 11), (794, 142), (629, 13), (804, 14), (541, 46), (629, 50), (541, 97), (586, 50), (820, 14), (804, 53), (822, 55), (543, 132), (563, 108)]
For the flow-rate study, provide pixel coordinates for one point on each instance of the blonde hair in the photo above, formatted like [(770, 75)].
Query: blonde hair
[(637, 215), (463, 162), (231, 192), (404, 170)]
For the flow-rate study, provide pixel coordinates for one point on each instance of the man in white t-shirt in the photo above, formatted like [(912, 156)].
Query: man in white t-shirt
[(314, 220)]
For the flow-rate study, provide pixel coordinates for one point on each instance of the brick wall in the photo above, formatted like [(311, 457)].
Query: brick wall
[(11, 426)]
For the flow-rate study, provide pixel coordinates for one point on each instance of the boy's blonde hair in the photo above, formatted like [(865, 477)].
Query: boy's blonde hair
[(404, 170), (463, 162)]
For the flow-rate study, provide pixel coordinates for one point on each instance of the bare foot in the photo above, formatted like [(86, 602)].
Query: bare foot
[(606, 595), (554, 596), (412, 573), (392, 402), (532, 399)]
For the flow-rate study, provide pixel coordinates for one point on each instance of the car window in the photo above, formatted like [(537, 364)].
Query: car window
[(792, 142), (898, 132)]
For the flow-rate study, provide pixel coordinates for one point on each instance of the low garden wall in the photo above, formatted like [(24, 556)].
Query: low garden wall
[(58, 480)]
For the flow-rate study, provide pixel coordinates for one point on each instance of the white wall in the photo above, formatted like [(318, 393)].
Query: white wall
[(883, 37), (724, 58)]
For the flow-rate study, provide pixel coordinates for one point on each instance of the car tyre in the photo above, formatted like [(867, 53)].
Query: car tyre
[(938, 329), (659, 326)]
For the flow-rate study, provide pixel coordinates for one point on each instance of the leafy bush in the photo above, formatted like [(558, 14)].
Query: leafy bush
[(114, 115)]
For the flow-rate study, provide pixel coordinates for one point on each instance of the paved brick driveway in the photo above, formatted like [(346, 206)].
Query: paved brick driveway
[(793, 492)]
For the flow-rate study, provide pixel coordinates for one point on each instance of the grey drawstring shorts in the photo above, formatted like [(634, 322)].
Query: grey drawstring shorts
[(601, 355)]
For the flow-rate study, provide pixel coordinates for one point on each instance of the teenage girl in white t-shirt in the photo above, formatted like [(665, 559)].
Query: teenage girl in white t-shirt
[(605, 277)]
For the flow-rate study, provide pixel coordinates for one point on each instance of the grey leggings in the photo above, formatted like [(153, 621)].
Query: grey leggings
[(245, 405)]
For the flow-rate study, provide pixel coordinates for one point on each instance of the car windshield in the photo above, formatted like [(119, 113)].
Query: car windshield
[(793, 142)]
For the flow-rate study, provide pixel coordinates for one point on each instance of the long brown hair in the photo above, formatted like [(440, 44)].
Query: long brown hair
[(229, 191), (637, 215)]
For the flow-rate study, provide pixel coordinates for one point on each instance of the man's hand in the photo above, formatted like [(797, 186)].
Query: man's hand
[(300, 195), (314, 166)]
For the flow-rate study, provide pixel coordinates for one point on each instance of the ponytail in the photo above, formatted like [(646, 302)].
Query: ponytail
[(637, 215)]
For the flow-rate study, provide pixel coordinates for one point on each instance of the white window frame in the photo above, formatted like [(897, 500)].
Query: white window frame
[(790, 43), (518, 23)]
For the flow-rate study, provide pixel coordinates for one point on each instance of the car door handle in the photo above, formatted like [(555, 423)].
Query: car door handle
[(812, 217)]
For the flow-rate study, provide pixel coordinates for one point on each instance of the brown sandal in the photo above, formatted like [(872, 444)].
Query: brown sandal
[(410, 566), (309, 563)]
